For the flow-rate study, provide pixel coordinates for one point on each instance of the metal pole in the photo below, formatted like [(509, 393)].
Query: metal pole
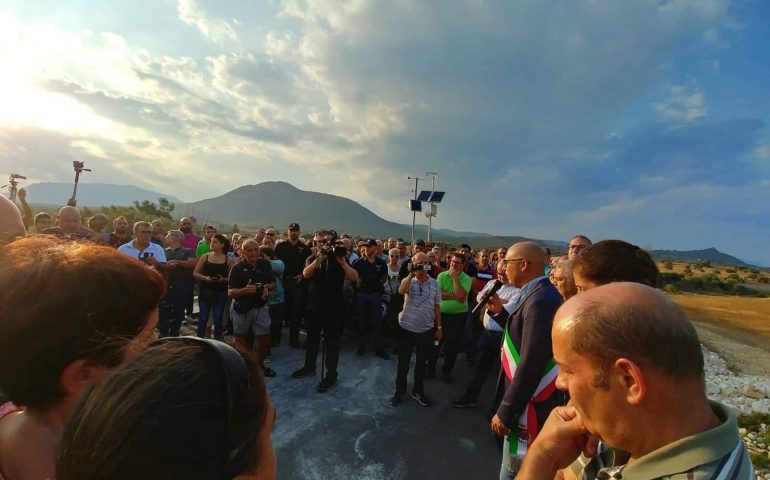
[(414, 214), (430, 212)]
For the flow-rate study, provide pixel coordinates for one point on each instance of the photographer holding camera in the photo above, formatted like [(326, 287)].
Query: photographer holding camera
[(250, 283), (142, 248), (419, 324), (326, 271)]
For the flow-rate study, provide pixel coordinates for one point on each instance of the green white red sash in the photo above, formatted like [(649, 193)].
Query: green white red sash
[(528, 428)]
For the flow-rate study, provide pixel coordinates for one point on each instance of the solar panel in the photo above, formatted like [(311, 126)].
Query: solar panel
[(424, 196), (415, 205), (436, 197)]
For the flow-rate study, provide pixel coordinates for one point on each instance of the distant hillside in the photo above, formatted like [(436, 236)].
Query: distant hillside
[(278, 203), (92, 194), (711, 254)]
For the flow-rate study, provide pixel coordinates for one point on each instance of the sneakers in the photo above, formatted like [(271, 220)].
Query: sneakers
[(268, 359), (395, 400), (422, 399), (303, 372), (327, 383), (269, 372), (382, 354), (361, 349), (465, 402)]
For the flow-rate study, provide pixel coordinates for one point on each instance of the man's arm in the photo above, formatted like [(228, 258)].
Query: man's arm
[(311, 267), (26, 217), (403, 287), (561, 440), (534, 354), (350, 272), (460, 291)]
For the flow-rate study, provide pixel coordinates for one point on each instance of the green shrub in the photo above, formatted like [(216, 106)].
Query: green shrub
[(670, 288)]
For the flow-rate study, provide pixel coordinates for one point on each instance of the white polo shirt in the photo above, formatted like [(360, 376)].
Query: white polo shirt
[(154, 248)]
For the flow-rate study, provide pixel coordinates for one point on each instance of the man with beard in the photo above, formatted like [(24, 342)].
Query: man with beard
[(293, 254), (180, 263), (326, 271), (158, 232), (68, 225), (372, 273), (191, 240), (120, 233), (204, 246)]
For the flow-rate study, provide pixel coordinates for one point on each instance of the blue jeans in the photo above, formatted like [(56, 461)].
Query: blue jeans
[(216, 307), (370, 313), (487, 357), (171, 313)]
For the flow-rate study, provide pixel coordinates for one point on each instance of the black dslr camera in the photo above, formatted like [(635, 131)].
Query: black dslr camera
[(146, 255), (420, 267)]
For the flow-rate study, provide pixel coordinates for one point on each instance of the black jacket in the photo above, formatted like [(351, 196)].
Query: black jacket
[(529, 326)]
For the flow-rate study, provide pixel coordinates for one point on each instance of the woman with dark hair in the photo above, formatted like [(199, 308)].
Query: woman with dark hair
[(185, 408), (212, 270), (613, 261), (69, 311)]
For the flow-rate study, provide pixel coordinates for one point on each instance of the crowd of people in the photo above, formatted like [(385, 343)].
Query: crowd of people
[(599, 374)]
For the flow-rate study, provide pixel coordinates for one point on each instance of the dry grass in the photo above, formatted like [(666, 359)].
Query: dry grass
[(748, 314)]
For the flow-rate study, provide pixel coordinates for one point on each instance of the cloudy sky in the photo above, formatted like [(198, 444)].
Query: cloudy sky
[(645, 120)]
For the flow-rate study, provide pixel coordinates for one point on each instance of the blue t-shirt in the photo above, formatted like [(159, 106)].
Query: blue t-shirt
[(276, 294)]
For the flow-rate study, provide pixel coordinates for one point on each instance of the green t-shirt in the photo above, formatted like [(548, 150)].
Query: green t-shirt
[(447, 286), (203, 248)]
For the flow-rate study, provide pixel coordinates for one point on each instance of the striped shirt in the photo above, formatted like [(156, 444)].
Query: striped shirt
[(419, 313), (716, 454)]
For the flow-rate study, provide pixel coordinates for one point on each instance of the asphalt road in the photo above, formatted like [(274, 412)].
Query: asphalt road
[(352, 431)]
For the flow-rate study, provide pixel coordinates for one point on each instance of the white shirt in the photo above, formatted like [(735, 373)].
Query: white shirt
[(508, 294), (154, 248)]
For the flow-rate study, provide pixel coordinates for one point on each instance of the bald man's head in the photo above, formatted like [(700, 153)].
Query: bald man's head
[(633, 321), (525, 261), (11, 225), (69, 219)]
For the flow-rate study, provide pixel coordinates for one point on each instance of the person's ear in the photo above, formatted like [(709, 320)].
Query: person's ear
[(79, 375), (630, 378)]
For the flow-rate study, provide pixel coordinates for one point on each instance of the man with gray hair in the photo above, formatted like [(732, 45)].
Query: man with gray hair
[(633, 366), (180, 262), (142, 248)]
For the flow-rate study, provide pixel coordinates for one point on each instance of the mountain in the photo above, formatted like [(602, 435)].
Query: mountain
[(279, 203), (91, 194), (711, 254)]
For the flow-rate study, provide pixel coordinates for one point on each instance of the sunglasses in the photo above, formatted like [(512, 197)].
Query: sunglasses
[(234, 369)]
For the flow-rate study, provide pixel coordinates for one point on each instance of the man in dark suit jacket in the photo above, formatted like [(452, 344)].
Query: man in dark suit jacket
[(528, 370)]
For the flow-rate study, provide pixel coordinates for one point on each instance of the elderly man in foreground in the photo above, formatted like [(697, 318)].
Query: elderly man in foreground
[(633, 366)]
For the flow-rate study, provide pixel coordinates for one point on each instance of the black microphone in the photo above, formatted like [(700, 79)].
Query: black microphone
[(495, 287)]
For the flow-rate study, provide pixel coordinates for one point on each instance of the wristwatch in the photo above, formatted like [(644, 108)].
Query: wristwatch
[(439, 327)]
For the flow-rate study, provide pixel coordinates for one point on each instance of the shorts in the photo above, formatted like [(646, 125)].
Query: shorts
[(256, 321)]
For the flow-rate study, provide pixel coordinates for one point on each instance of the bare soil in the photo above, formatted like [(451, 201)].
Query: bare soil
[(737, 328)]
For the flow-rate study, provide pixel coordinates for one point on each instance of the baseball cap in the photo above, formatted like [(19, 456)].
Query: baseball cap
[(294, 226), (371, 243)]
